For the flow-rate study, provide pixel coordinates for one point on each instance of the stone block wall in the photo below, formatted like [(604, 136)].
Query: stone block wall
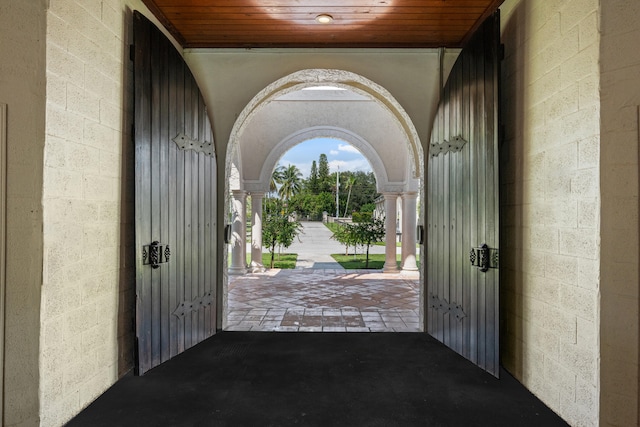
[(551, 202), (620, 105), (88, 269)]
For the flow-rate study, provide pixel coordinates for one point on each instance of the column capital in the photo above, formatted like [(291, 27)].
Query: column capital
[(389, 195), (238, 193), (257, 193), (409, 195)]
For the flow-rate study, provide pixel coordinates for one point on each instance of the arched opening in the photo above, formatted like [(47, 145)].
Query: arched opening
[(331, 104), (344, 165)]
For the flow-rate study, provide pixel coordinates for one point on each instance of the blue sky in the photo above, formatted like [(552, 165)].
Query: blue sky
[(339, 153)]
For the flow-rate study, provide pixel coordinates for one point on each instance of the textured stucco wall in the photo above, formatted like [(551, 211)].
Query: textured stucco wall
[(551, 202), (22, 88), (620, 101)]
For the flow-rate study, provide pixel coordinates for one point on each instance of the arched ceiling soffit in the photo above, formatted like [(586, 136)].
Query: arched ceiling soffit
[(280, 119), (296, 138), (338, 78)]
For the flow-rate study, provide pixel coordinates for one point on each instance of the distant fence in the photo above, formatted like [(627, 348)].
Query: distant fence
[(332, 219)]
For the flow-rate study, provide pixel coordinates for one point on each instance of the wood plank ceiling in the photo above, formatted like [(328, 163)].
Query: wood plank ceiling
[(293, 24)]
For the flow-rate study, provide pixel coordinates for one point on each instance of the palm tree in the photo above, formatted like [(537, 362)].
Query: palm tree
[(349, 184), (291, 182), (276, 178)]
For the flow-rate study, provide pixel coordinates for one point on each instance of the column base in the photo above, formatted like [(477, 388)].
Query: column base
[(237, 271), (410, 264), (390, 269)]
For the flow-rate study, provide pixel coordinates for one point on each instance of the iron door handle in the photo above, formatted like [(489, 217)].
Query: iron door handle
[(484, 257), (155, 254)]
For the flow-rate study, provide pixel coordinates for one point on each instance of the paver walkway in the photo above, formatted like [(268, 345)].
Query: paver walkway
[(314, 247), (321, 296), (326, 300)]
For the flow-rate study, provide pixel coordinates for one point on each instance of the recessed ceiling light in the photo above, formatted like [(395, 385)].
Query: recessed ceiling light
[(324, 19)]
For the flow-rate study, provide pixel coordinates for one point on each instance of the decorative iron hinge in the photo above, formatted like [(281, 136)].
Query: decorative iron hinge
[(484, 257), (452, 308), (186, 307), (185, 143), (454, 145), (155, 254)]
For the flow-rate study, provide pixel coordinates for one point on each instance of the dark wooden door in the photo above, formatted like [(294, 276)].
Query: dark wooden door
[(462, 209), (175, 202)]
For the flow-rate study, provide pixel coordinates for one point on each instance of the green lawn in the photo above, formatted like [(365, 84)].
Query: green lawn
[(332, 226), (376, 261), (383, 243), (280, 260)]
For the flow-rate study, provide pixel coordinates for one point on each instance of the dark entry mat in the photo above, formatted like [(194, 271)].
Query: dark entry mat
[(317, 379)]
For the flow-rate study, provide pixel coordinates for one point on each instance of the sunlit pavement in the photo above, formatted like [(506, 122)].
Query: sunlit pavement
[(324, 300)]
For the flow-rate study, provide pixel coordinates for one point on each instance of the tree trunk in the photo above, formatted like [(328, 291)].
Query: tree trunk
[(347, 205), (273, 254), (366, 265)]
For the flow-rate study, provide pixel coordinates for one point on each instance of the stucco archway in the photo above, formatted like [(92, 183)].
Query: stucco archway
[(340, 79), (345, 135), (265, 130)]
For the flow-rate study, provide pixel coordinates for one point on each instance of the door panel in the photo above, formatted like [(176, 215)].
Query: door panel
[(462, 193), (175, 202), (3, 242)]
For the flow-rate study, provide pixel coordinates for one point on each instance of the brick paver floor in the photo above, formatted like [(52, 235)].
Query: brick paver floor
[(324, 300)]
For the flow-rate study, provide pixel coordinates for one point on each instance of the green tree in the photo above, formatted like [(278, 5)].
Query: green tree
[(290, 182), (364, 190), (362, 216), (306, 205), (351, 180), (279, 227), (276, 179), (325, 184), (364, 233), (369, 232), (346, 235), (368, 207), (312, 182), (326, 202)]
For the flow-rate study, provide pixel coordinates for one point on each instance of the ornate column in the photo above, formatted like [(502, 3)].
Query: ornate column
[(256, 231), (239, 236), (390, 211), (409, 231)]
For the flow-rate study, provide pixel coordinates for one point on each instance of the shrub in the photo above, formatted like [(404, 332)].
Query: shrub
[(362, 216)]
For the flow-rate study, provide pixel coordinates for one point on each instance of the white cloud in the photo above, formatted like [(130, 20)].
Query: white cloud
[(334, 152), (350, 165), (348, 148), (305, 168)]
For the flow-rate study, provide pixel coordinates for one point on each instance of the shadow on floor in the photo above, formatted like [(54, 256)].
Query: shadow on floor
[(311, 379)]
